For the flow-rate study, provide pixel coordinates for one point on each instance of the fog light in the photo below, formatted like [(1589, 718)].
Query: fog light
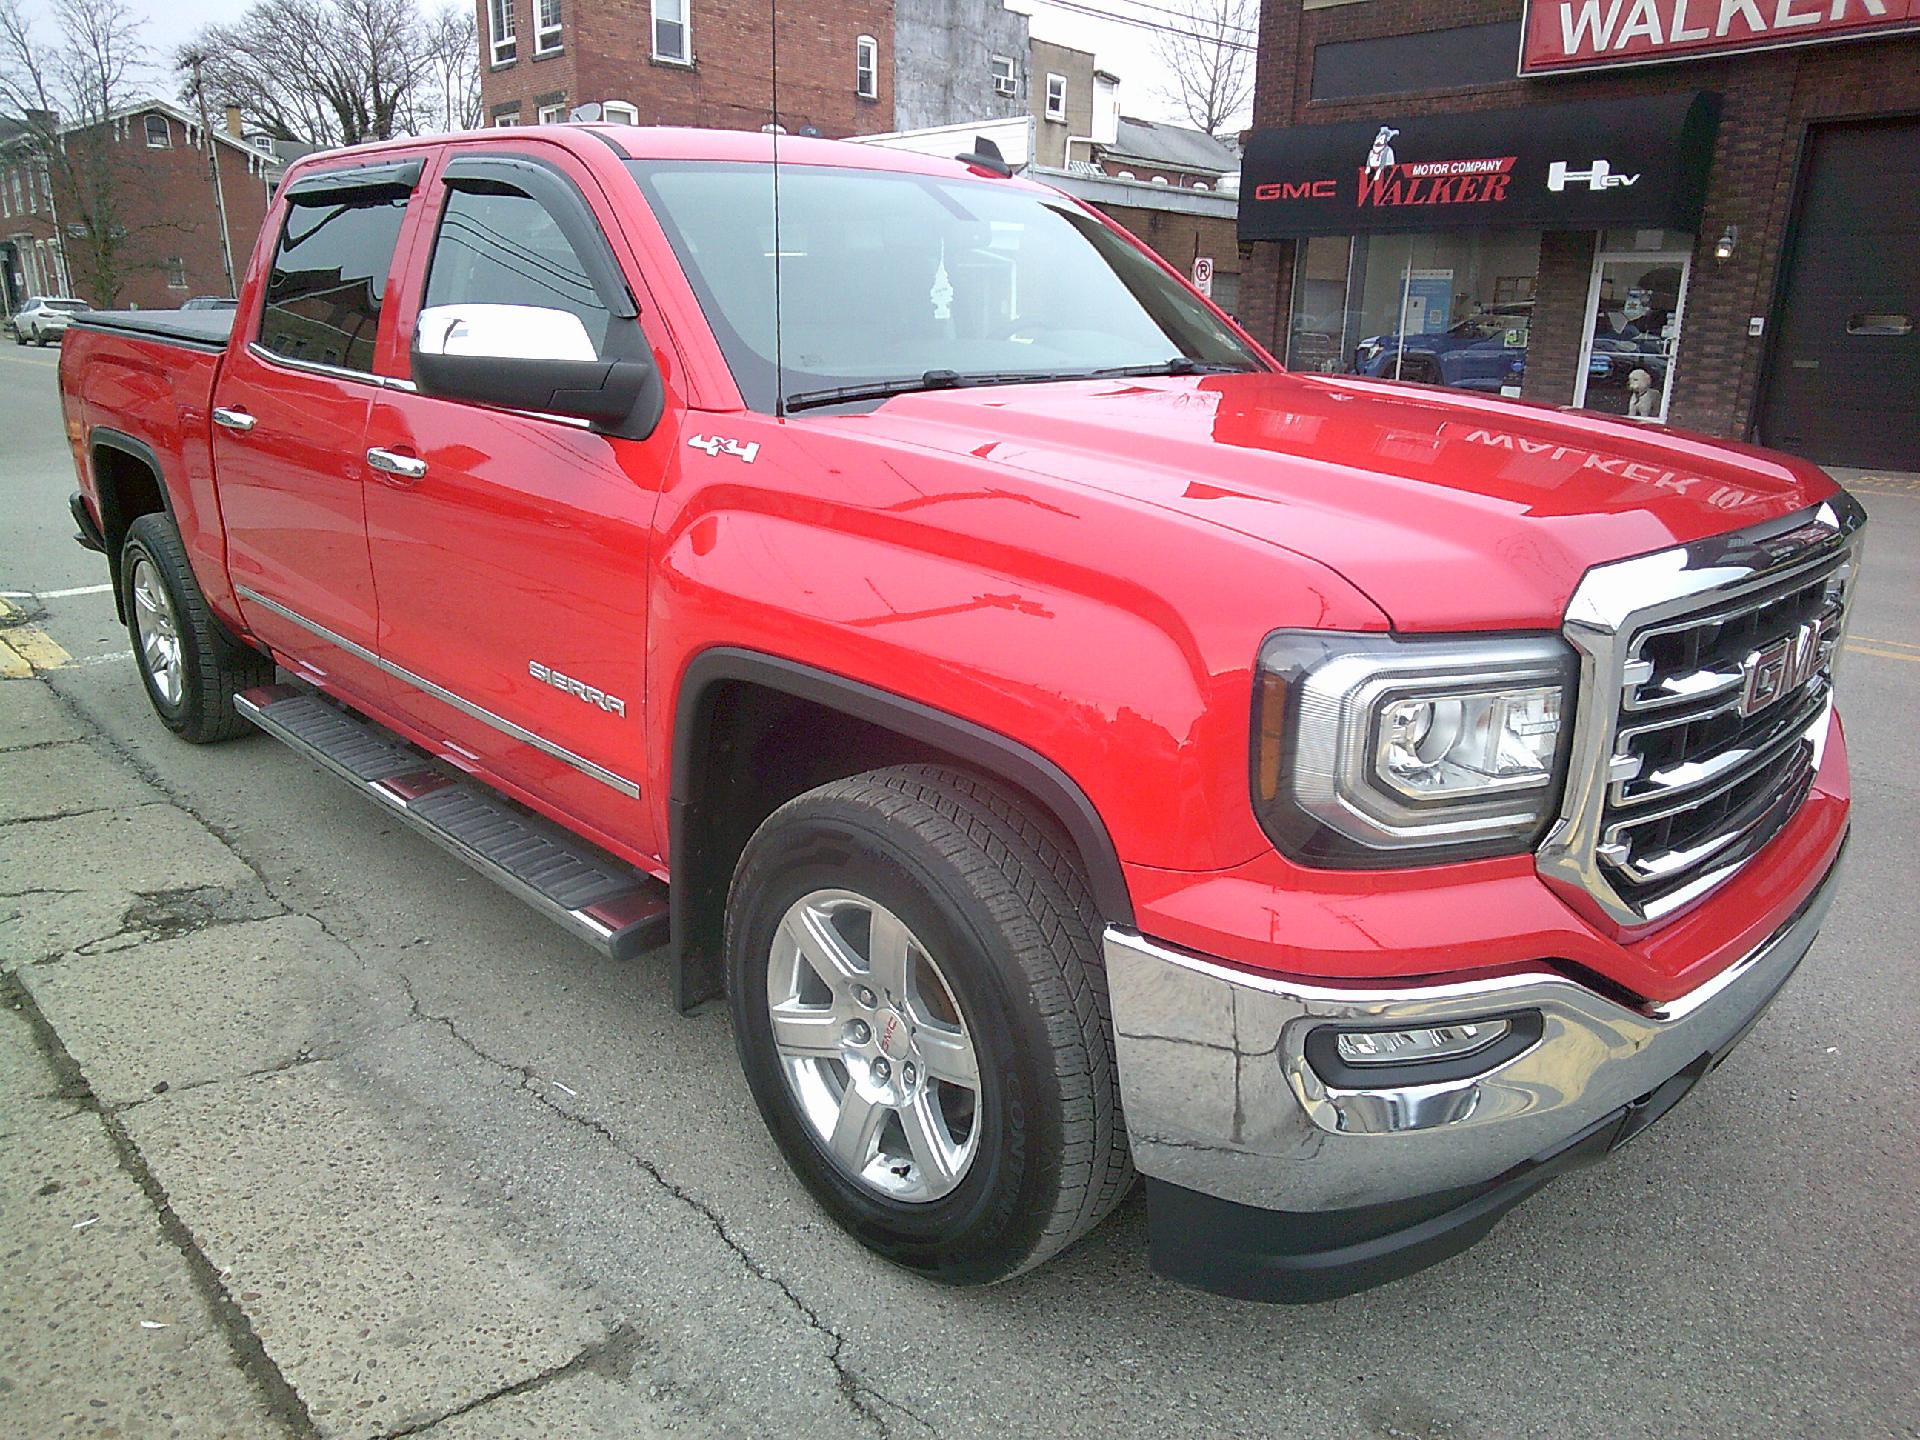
[(1406, 1047)]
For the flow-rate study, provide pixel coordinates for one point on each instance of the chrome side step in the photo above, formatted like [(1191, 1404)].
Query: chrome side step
[(604, 901)]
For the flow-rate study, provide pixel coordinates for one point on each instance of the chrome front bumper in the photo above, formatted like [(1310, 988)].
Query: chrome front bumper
[(1221, 1099)]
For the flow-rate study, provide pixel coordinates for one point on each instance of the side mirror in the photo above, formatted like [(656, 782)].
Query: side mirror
[(528, 357)]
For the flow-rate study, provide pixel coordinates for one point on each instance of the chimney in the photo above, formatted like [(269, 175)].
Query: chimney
[(233, 122)]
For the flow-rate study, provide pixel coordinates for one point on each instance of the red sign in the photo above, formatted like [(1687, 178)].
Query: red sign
[(1564, 35)]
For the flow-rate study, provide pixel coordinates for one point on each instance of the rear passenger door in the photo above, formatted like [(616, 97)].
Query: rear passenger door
[(510, 550), (290, 412)]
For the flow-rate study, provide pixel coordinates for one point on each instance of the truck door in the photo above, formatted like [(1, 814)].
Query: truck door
[(510, 550), (289, 419)]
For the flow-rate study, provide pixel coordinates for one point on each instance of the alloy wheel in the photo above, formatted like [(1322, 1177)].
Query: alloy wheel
[(875, 1051), (159, 632)]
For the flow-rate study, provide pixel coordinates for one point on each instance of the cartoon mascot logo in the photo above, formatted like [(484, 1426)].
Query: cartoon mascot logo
[(1380, 157)]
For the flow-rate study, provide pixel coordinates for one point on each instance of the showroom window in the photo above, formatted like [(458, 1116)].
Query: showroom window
[(1440, 309)]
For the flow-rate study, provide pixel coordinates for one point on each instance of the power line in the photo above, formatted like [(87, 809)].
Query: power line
[(1142, 23), (1180, 18)]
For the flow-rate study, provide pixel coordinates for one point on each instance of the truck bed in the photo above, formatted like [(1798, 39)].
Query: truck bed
[(197, 329)]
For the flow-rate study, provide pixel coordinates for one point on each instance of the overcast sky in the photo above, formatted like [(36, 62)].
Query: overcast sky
[(1126, 50)]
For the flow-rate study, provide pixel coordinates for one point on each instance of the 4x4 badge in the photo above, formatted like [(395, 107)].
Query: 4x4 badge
[(716, 446)]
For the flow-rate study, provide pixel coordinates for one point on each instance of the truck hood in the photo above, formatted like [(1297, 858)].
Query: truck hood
[(1450, 511)]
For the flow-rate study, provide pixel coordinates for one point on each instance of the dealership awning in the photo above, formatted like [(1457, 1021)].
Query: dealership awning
[(1585, 166)]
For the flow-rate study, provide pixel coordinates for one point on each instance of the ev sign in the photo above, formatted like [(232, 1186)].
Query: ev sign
[(1203, 275)]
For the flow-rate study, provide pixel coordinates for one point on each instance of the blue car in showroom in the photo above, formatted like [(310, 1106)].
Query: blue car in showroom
[(1482, 352)]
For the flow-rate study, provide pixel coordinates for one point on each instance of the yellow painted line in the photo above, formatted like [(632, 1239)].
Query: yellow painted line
[(52, 362), (1883, 654), (26, 648), (1891, 644)]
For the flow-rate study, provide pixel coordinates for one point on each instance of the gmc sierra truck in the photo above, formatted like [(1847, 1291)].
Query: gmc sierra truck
[(1073, 746)]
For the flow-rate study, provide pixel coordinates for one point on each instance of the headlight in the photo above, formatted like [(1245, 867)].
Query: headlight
[(1371, 750)]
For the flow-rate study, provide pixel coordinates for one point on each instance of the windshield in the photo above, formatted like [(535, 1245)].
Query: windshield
[(887, 278), (73, 306)]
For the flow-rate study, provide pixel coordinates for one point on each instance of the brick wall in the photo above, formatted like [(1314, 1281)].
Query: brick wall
[(1769, 101), (166, 205), (607, 54)]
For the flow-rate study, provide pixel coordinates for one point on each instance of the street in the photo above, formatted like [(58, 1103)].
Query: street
[(305, 1129)]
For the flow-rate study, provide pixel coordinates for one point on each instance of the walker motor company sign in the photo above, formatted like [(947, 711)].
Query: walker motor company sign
[(1566, 35), (1588, 165)]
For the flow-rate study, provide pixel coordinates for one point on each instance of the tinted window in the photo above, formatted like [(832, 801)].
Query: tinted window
[(501, 248), (1404, 64), (885, 276), (328, 279)]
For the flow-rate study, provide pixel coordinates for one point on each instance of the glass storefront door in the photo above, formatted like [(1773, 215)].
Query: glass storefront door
[(1635, 307)]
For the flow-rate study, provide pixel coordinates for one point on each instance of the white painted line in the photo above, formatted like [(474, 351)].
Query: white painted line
[(54, 594)]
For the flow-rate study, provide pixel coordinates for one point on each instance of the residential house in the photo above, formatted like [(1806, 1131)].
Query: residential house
[(152, 159), (859, 67)]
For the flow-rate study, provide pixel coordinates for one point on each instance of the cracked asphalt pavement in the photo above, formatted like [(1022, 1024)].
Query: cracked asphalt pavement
[(305, 1130)]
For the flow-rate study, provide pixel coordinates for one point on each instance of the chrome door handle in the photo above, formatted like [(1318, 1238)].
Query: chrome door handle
[(233, 419), (407, 467)]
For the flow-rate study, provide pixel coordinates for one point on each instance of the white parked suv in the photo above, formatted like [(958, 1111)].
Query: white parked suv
[(44, 318)]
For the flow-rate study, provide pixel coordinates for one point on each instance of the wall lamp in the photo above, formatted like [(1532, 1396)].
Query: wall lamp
[(1728, 242)]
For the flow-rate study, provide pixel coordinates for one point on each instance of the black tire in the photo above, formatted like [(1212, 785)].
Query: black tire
[(976, 875), (213, 666), (41, 341)]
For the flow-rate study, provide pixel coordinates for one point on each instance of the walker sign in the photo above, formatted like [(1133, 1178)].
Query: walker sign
[(1587, 165), (1569, 35)]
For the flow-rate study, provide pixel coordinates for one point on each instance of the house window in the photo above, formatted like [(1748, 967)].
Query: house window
[(1056, 97), (500, 30), (546, 27), (1004, 76), (553, 114), (619, 112), (672, 35), (866, 68), (176, 272), (159, 137), (504, 118)]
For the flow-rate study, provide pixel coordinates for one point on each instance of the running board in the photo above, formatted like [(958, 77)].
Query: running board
[(604, 901)]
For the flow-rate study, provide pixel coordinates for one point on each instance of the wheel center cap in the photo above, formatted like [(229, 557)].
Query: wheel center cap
[(891, 1035)]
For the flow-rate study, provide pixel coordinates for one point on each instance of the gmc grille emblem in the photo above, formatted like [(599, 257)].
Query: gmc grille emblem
[(1784, 666)]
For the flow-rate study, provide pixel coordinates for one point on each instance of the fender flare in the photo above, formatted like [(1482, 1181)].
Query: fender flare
[(973, 744), (103, 437)]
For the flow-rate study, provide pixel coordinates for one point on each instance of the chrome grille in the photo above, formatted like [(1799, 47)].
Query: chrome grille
[(1707, 682)]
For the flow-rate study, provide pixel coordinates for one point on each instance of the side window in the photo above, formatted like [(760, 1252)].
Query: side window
[(329, 278), (499, 247)]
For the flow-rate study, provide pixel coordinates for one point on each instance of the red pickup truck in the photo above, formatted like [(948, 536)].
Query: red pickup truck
[(1072, 744)]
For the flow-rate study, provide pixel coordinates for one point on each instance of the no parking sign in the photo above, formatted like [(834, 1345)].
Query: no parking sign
[(1203, 274)]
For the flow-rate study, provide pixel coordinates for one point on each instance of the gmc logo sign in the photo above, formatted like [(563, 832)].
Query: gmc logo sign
[(1784, 666), (1297, 190)]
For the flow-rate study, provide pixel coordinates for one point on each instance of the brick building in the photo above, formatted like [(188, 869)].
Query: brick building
[(853, 67), (1709, 212), (154, 155)]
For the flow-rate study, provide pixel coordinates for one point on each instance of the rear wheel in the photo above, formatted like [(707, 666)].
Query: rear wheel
[(921, 1013), (40, 339), (191, 666)]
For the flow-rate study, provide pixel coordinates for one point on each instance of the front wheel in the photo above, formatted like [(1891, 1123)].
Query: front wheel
[(921, 1013), (191, 666)]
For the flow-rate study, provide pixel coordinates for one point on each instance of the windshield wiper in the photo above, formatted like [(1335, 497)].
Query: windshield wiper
[(955, 380), (931, 380), (1179, 365)]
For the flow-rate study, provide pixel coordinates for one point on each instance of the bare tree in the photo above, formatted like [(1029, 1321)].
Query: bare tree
[(66, 95), (1208, 48), (334, 72), (450, 94)]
